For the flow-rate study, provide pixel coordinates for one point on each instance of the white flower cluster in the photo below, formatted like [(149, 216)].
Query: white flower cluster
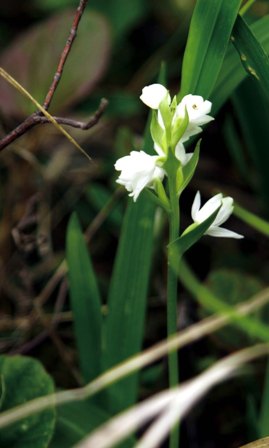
[(140, 170), (173, 124)]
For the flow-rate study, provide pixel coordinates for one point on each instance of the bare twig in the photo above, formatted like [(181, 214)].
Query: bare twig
[(65, 53), (37, 117)]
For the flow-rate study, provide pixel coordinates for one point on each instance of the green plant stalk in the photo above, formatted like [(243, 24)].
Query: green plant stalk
[(172, 290)]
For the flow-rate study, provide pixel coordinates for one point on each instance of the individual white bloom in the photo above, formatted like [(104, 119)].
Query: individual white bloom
[(138, 170), (197, 108), (153, 95), (201, 214), (181, 154)]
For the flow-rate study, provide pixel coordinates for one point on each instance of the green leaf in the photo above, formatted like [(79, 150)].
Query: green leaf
[(252, 55), (188, 170), (127, 295), (22, 59), (208, 38), (190, 236), (232, 72), (26, 379), (85, 301)]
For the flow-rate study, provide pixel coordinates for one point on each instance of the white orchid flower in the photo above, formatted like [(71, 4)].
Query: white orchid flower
[(201, 214), (153, 95), (138, 170), (198, 110)]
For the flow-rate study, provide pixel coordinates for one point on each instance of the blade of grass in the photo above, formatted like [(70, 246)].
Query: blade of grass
[(252, 55), (232, 72), (208, 39), (25, 93), (85, 301), (252, 220)]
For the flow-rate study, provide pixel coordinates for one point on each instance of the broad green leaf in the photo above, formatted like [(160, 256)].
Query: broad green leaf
[(252, 55), (25, 379), (85, 302), (33, 57), (232, 72), (209, 35)]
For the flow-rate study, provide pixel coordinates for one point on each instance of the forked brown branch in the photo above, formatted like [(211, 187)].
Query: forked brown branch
[(37, 117)]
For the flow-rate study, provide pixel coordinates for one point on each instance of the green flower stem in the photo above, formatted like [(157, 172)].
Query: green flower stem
[(172, 295)]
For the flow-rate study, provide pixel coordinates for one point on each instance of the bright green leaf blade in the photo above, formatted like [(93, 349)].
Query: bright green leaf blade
[(232, 72), (128, 293), (209, 35), (25, 379), (85, 302), (252, 55)]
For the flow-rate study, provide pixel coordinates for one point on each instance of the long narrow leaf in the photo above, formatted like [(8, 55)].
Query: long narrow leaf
[(253, 57), (85, 301), (232, 72), (209, 35), (128, 292)]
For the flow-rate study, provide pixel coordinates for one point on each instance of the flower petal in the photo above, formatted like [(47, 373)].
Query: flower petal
[(196, 206), (221, 232), (225, 211), (208, 208), (153, 95)]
